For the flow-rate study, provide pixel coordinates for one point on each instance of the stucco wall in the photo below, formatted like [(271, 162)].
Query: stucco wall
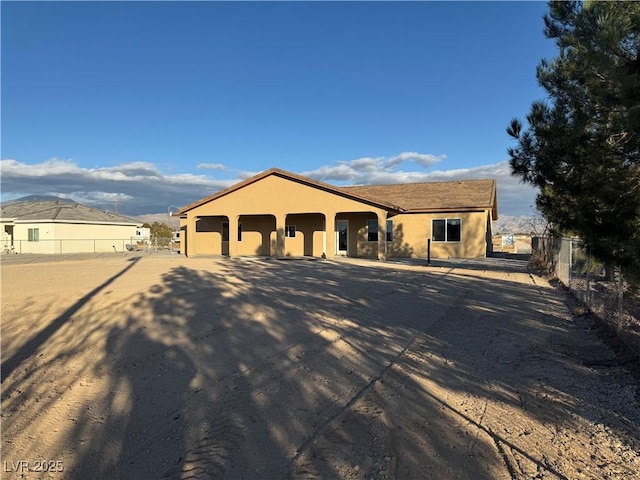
[(265, 207), (279, 197), (411, 232), (72, 238), (309, 235), (209, 235)]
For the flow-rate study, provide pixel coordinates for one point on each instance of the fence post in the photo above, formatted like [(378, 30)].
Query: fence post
[(587, 299), (620, 282), (570, 262)]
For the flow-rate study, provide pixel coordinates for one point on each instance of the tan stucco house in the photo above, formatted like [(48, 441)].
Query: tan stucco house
[(60, 226), (278, 213)]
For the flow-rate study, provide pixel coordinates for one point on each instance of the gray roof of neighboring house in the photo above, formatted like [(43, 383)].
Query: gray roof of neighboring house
[(61, 211)]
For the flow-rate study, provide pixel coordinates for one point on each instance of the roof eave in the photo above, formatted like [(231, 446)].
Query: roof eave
[(88, 222), (474, 208)]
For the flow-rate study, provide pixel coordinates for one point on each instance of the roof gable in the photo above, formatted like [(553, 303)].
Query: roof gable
[(405, 197), (295, 178)]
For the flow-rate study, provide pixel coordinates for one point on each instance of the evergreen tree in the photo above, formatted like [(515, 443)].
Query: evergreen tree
[(582, 147)]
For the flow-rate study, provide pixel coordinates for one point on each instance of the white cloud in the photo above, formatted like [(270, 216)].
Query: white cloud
[(142, 187), (244, 174), (338, 173), (54, 166), (211, 166), (422, 159), (375, 169)]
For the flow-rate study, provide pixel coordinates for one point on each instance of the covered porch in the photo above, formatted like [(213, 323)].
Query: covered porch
[(359, 234)]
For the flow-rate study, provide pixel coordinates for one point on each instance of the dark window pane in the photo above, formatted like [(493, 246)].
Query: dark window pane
[(453, 230), (372, 230), (437, 231)]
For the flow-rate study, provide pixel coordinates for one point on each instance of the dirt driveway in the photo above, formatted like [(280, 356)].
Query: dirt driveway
[(143, 367)]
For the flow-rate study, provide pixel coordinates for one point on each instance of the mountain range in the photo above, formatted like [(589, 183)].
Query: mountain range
[(522, 224)]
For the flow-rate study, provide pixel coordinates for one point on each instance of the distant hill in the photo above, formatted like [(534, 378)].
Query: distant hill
[(514, 224), (160, 218), (38, 198)]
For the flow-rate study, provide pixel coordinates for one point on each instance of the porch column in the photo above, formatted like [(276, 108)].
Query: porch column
[(382, 236), (281, 221), (190, 243), (233, 235), (330, 234)]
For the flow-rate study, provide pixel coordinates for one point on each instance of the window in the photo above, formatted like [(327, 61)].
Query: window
[(389, 230), (239, 231), (446, 230), (34, 234), (372, 230), (290, 231)]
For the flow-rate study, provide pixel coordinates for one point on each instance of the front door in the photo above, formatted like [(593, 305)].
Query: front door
[(342, 237)]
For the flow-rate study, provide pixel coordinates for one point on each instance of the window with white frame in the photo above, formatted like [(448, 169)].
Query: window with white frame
[(446, 230), (34, 235), (290, 231)]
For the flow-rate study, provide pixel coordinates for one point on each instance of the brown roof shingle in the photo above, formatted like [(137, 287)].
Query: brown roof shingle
[(432, 196)]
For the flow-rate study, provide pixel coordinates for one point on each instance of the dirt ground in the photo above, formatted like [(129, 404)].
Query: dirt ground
[(149, 367)]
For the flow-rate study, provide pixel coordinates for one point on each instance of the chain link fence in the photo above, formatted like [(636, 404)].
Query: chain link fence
[(86, 245), (602, 290)]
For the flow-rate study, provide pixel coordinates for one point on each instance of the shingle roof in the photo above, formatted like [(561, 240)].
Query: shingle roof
[(430, 196), (61, 211)]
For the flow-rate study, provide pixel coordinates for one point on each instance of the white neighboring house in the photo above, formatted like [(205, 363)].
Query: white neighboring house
[(143, 234), (60, 226)]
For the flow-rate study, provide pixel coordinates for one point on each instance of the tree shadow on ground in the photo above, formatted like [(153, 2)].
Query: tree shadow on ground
[(37, 341), (267, 369)]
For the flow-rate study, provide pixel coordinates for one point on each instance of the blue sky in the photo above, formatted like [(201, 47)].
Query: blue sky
[(162, 103)]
